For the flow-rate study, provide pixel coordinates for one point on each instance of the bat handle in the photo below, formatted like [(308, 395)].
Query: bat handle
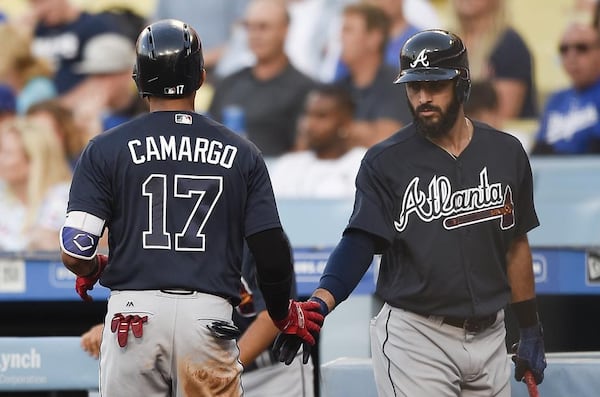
[(531, 385)]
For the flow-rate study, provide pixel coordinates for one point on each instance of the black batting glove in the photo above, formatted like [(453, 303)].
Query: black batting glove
[(530, 354)]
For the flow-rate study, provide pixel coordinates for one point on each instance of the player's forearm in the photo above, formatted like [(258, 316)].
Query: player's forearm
[(274, 269), (520, 270), (346, 266), (257, 338), (80, 267), (326, 297)]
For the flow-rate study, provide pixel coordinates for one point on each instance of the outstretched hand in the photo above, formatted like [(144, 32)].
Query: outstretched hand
[(301, 327), (303, 318), (83, 284)]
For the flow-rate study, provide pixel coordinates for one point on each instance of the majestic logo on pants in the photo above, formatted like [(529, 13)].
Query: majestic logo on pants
[(461, 208)]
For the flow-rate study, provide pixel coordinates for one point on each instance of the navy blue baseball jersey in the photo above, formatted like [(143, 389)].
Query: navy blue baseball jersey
[(179, 192), (424, 203)]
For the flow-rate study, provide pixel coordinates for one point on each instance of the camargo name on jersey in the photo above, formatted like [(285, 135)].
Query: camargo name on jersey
[(185, 148)]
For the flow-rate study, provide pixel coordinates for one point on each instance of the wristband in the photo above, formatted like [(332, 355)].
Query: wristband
[(526, 312), (321, 302)]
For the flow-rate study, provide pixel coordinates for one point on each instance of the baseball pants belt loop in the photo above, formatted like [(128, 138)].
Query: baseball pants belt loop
[(471, 324), (176, 291)]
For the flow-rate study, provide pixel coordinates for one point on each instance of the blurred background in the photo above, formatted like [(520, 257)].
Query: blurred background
[(309, 82)]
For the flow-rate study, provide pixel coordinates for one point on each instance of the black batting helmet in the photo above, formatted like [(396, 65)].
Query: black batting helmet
[(169, 61), (433, 55)]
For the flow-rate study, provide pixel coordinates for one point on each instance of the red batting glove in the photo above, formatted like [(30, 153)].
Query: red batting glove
[(83, 284), (304, 319)]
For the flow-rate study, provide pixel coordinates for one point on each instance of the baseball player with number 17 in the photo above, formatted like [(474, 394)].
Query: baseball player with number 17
[(178, 194), (448, 203)]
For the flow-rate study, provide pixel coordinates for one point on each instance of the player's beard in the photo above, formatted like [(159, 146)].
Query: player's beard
[(430, 128)]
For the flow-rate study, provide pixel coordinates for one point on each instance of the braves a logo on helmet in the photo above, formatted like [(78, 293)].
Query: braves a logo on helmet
[(421, 58)]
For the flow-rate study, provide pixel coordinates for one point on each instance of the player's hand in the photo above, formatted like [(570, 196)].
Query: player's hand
[(530, 354), (85, 284), (304, 319), (90, 341), (286, 348)]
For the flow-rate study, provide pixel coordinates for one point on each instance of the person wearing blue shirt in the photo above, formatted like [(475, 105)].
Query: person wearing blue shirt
[(570, 123)]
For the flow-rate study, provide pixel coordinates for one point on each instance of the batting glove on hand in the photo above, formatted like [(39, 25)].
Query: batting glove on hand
[(286, 348), (287, 344), (83, 284), (530, 354), (303, 319)]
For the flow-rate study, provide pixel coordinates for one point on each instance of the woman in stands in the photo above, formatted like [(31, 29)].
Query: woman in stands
[(34, 186), (497, 52)]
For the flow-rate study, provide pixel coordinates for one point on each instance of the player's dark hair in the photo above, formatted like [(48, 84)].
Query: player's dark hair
[(448, 120)]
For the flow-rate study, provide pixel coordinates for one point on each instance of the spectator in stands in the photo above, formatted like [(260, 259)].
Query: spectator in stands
[(59, 119), (381, 109), (8, 103), (108, 96), (313, 39), (213, 20), (497, 52), (29, 76), (270, 93), (328, 166), (482, 103), (570, 123), (61, 32), (400, 30), (34, 187), (125, 16)]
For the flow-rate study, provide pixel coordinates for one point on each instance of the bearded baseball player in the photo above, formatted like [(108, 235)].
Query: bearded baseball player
[(448, 203), (178, 194)]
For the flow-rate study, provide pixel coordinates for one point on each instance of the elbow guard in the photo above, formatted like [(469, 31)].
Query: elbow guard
[(80, 235)]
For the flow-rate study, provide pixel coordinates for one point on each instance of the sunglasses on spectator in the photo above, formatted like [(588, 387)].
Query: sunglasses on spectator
[(580, 48)]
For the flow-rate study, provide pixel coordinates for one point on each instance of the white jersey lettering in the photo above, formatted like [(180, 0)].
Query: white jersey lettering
[(440, 200), (193, 150)]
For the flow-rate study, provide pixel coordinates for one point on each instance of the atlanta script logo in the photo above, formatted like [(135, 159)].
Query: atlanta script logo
[(461, 208)]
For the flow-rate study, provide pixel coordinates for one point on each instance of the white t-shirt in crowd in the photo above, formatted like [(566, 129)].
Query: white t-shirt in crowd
[(303, 175), (13, 213)]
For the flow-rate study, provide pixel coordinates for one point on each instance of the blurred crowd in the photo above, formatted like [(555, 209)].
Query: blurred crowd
[(308, 81)]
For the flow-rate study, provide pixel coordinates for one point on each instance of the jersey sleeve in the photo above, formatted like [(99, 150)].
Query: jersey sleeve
[(91, 188), (261, 210), (373, 205), (525, 215)]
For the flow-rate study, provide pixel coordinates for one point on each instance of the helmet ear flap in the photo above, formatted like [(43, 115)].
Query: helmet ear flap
[(462, 89)]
